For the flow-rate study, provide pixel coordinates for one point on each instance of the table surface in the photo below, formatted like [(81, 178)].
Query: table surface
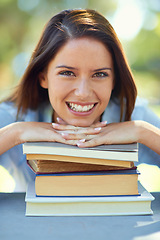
[(15, 225)]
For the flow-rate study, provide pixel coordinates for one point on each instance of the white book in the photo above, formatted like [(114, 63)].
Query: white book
[(88, 206), (125, 152)]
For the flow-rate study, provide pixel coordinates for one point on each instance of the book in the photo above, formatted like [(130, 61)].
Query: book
[(53, 166), (88, 206), (95, 155), (99, 183)]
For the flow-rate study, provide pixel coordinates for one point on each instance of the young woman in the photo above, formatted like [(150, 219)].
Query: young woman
[(77, 89)]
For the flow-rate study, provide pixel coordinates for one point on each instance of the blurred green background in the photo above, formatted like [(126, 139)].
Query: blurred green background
[(136, 22)]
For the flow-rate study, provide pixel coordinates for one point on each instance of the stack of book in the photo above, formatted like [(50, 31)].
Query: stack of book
[(72, 181)]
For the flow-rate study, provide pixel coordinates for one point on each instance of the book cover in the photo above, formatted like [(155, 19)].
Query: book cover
[(99, 183), (88, 206), (125, 152)]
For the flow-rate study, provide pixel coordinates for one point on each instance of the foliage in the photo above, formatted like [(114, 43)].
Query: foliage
[(21, 23)]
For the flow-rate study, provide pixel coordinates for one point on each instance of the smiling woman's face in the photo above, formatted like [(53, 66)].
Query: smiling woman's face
[(80, 79)]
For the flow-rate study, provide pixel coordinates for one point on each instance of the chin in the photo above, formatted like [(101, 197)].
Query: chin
[(79, 123)]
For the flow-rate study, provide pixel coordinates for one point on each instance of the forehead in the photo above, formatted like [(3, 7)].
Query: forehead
[(83, 49), (82, 42)]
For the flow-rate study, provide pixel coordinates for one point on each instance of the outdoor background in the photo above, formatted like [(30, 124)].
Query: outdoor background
[(137, 23)]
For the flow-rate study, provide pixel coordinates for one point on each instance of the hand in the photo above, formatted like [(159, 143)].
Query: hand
[(21, 132), (37, 131), (77, 133), (99, 133), (115, 133), (40, 131)]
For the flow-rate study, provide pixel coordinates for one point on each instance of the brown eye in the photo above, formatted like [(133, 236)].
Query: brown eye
[(100, 74), (67, 73)]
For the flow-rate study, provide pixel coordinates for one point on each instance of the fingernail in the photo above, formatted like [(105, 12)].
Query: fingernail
[(104, 122), (98, 129), (80, 142), (59, 119), (55, 124), (64, 134)]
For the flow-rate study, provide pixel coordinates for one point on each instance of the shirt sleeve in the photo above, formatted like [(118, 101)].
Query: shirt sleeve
[(143, 112), (13, 160)]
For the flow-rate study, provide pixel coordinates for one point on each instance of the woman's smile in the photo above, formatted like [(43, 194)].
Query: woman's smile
[(81, 109), (78, 107)]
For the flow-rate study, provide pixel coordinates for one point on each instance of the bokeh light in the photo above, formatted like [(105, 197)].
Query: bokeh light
[(136, 22)]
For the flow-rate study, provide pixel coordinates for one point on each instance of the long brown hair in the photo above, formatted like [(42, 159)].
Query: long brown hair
[(71, 24)]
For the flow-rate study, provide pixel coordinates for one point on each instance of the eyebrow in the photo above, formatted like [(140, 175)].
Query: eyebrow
[(64, 66), (101, 69), (73, 68)]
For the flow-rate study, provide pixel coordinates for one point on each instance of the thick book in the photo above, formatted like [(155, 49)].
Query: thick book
[(100, 183), (95, 155), (53, 166), (88, 206)]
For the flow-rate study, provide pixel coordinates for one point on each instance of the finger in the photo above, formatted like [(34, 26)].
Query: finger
[(77, 136), (75, 130), (49, 136), (64, 127), (71, 142), (56, 137), (61, 121), (87, 130), (91, 143)]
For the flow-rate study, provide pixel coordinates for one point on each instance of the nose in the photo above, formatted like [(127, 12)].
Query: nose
[(83, 89)]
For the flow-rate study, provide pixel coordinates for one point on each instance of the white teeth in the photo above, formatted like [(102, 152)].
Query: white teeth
[(80, 108)]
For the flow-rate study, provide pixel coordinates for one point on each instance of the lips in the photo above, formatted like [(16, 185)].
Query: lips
[(80, 108)]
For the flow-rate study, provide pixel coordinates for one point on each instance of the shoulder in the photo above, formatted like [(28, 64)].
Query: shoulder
[(141, 106), (8, 113), (143, 112), (112, 112)]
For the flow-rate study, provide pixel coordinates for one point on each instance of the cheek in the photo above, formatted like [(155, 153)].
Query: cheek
[(105, 94), (59, 87), (57, 94), (53, 94)]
